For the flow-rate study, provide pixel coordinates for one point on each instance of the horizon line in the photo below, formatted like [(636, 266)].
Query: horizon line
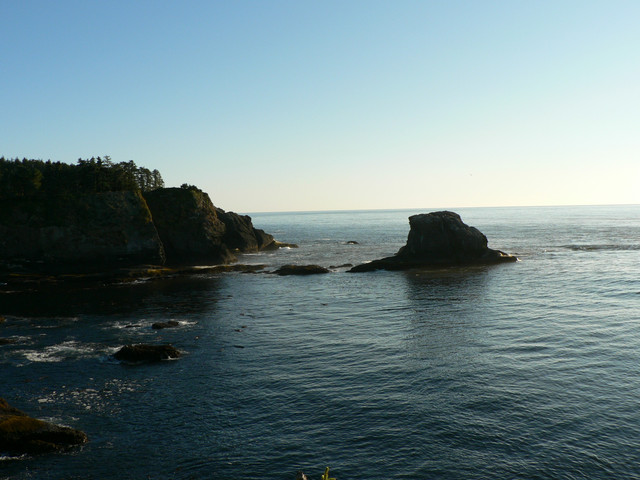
[(432, 209)]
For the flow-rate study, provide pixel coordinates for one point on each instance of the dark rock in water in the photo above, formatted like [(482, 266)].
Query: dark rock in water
[(352, 242), (161, 325), (146, 353), (240, 235), (20, 433), (439, 239), (7, 341), (344, 265), (301, 270), (276, 245)]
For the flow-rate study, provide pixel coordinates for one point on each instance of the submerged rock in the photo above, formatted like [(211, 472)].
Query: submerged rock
[(301, 270), (20, 433), (439, 239), (146, 353), (161, 325)]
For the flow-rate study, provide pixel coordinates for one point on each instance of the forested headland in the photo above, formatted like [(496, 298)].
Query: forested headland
[(37, 178), (98, 214)]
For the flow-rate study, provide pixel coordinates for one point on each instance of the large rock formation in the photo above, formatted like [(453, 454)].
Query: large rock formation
[(20, 433), (241, 236), (193, 230), (188, 225), (439, 239), (78, 233), (94, 232)]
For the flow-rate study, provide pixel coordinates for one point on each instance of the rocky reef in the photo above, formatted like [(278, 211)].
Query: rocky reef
[(142, 353), (301, 270), (20, 433), (93, 232), (439, 239)]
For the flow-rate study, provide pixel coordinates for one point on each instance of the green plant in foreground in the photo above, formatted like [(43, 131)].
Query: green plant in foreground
[(326, 475)]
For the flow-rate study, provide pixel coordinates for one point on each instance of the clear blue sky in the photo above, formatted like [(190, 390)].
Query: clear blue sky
[(318, 105)]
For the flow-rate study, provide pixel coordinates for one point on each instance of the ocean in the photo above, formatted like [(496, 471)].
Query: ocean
[(527, 370)]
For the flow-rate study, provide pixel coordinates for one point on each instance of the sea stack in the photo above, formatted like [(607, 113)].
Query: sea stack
[(439, 239)]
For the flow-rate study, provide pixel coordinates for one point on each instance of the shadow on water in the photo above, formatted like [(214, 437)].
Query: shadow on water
[(181, 296), (446, 285), (446, 318)]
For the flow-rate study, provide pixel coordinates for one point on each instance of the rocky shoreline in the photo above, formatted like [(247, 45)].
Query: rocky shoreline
[(106, 231), (21, 434), (435, 240)]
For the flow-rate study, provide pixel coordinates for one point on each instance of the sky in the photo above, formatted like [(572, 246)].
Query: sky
[(272, 105)]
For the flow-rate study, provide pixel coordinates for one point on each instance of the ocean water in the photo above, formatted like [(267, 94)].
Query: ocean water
[(526, 370)]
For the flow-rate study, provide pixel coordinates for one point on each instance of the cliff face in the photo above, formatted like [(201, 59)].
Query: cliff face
[(188, 225), (192, 229), (81, 232), (86, 232), (240, 234)]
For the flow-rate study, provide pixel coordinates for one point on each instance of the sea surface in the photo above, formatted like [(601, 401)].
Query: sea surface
[(527, 370)]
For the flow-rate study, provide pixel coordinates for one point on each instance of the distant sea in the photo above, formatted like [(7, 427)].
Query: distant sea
[(525, 370)]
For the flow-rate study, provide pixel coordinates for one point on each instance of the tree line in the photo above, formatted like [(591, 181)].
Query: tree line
[(33, 178)]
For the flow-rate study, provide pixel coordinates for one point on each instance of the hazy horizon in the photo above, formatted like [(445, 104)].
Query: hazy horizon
[(436, 208), (293, 106)]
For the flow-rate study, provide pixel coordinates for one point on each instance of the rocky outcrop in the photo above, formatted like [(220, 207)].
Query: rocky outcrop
[(193, 230), (188, 225), (163, 325), (241, 236), (142, 353), (110, 228), (20, 433), (104, 231), (301, 270), (439, 239)]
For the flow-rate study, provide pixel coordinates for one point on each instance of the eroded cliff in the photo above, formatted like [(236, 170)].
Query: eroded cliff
[(178, 226)]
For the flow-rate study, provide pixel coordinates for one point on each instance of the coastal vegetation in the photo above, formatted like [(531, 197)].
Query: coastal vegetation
[(36, 178)]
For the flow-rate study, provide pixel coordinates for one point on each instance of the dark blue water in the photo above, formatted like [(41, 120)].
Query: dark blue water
[(526, 370)]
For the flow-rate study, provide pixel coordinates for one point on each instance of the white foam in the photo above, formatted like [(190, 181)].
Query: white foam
[(5, 458), (60, 351)]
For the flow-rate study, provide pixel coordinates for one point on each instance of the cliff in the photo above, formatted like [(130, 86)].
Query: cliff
[(110, 229), (78, 232), (192, 229)]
